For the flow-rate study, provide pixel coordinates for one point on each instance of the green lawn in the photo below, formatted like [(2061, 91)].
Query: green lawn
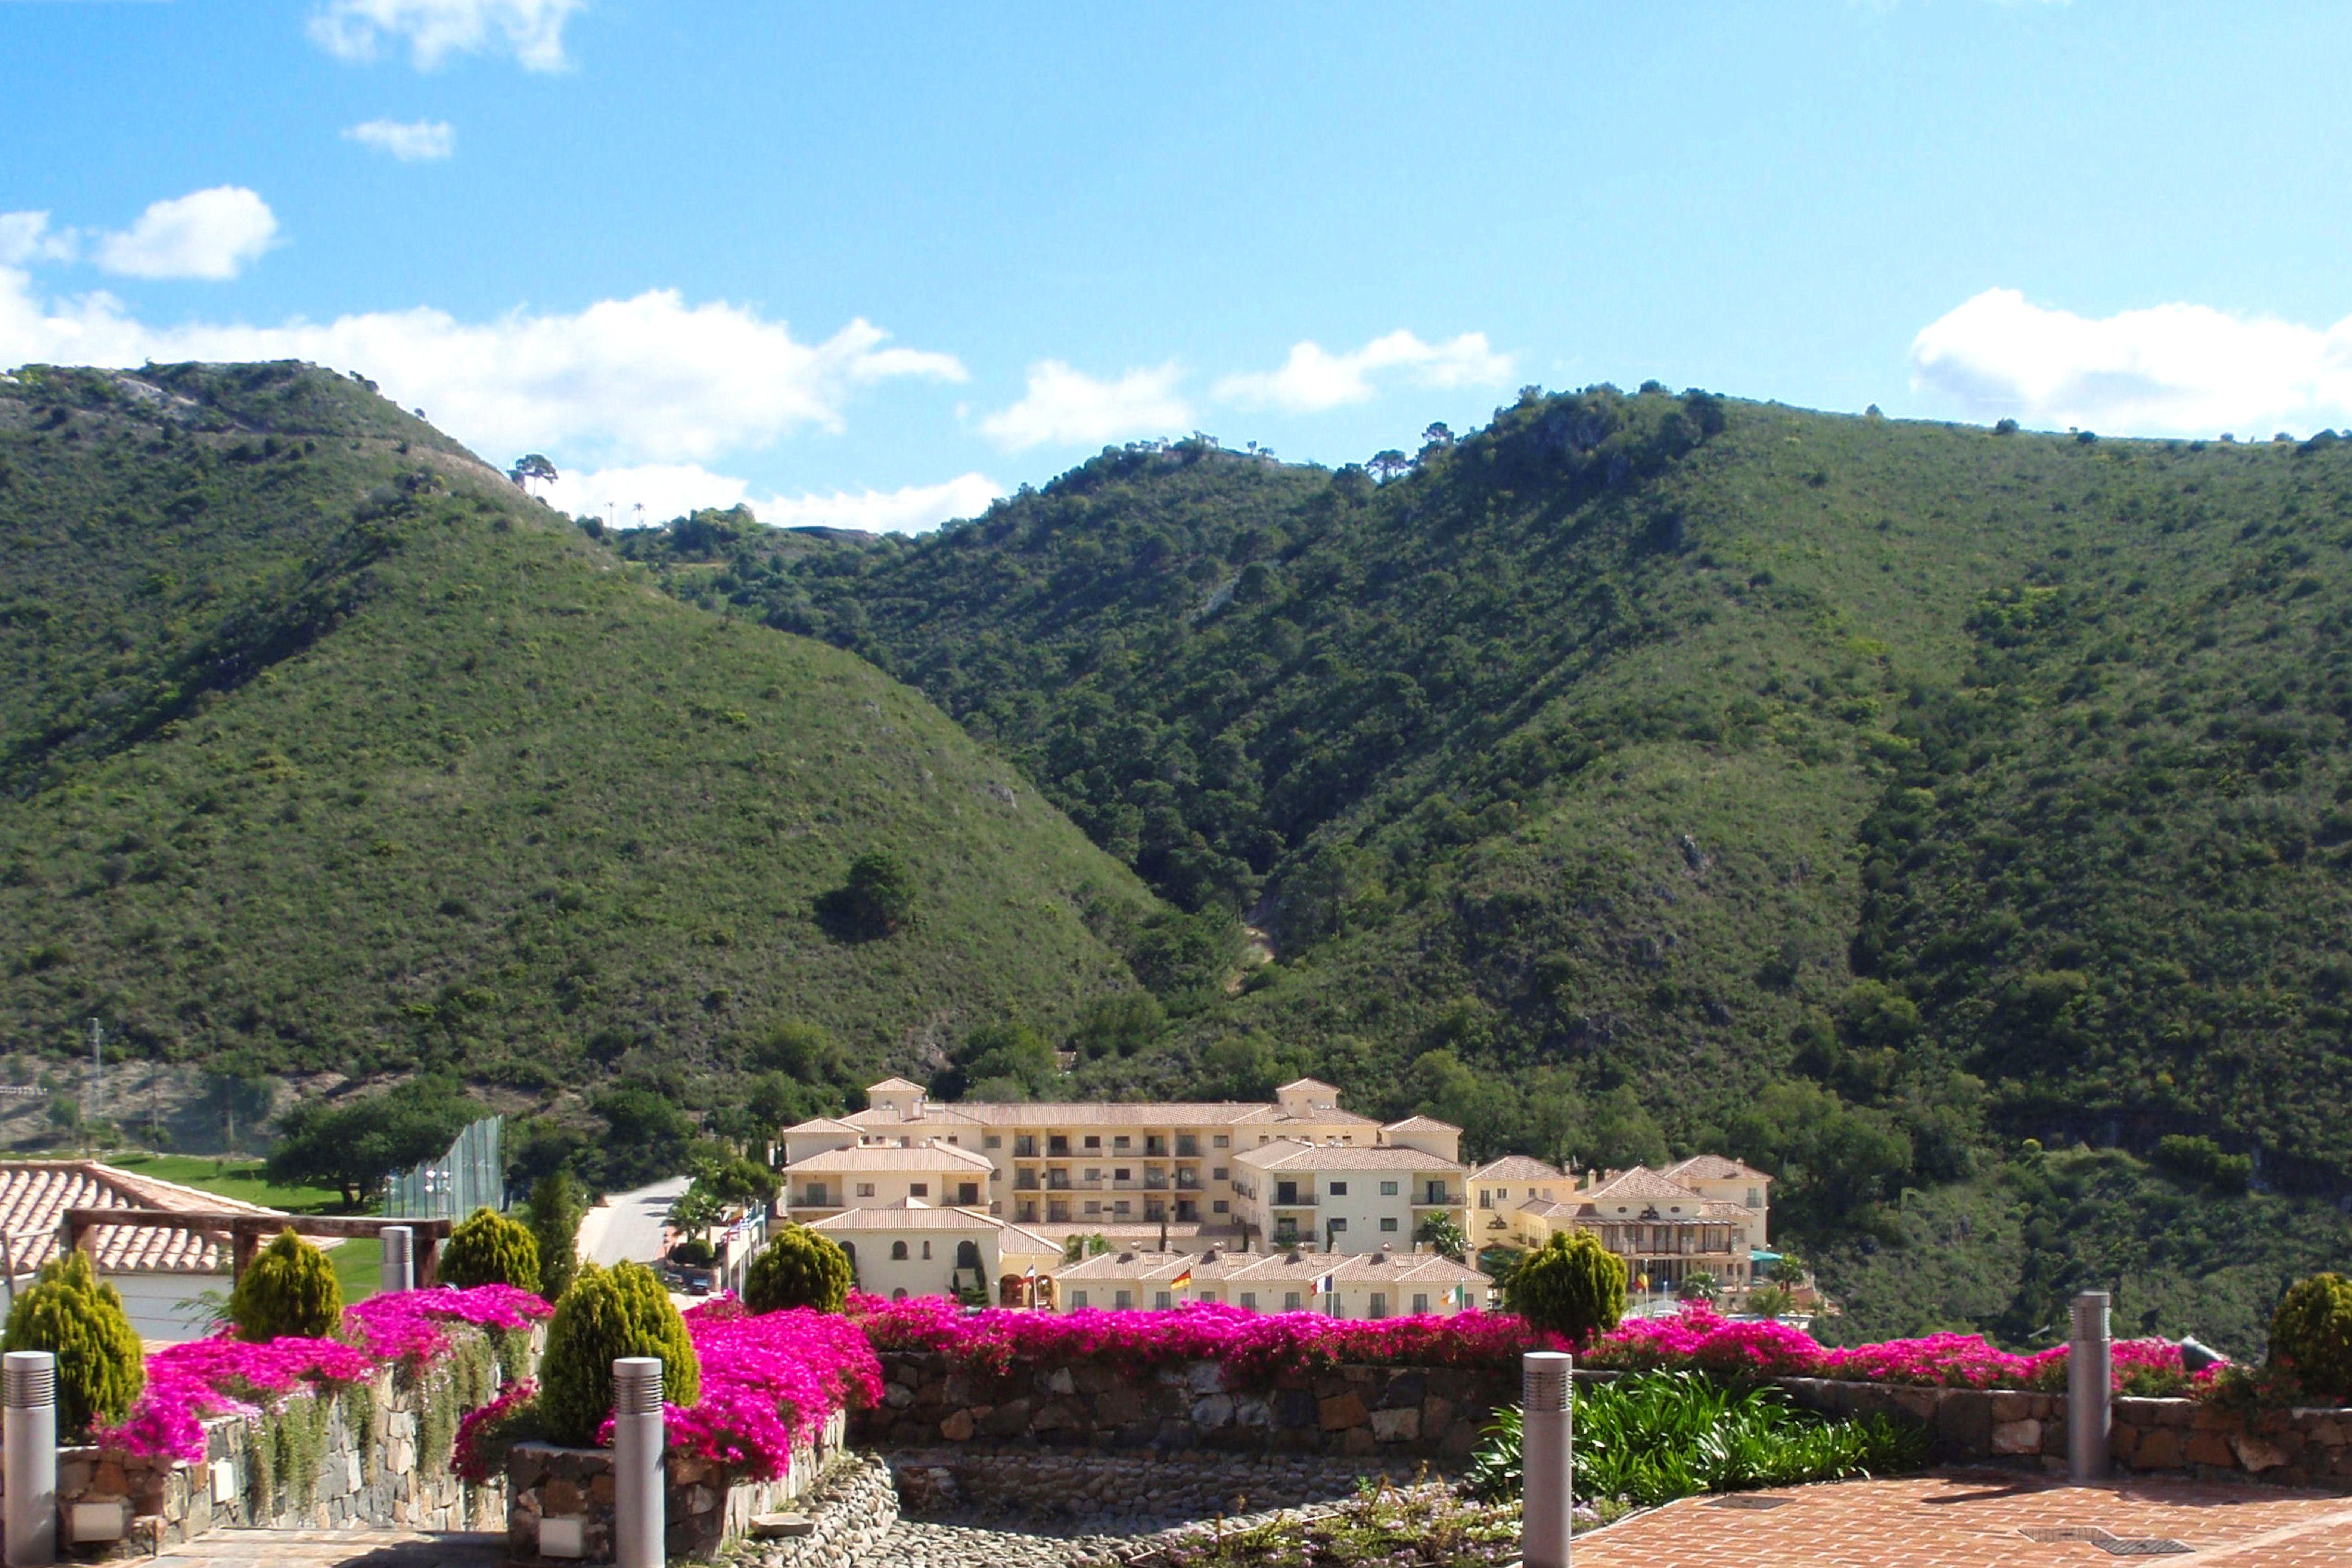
[(241, 1180)]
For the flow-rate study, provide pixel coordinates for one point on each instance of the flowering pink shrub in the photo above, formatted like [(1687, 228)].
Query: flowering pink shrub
[(768, 1383), (1255, 1347), (482, 1435), (228, 1377), (1697, 1336)]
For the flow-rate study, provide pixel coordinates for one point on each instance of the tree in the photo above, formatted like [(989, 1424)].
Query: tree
[(1444, 1236), (532, 469), (1000, 1062), (556, 1212), (607, 1315), (696, 1210), (798, 1268), (354, 1146), (650, 1135), (289, 1287), (877, 900), (1386, 465), (1769, 1301), (489, 1249), (79, 1318), (1570, 1285), (1699, 1285), (741, 1181), (2311, 1335)]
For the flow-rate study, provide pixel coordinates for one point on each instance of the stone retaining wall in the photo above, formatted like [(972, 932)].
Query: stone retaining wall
[(1404, 1412), (851, 1508), (368, 1473), (1088, 1484), (705, 1505)]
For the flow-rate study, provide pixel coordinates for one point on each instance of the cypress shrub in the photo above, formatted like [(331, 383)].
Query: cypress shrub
[(488, 1248), (607, 1314), (290, 1289), (71, 1313), (556, 1210), (798, 1268), (1572, 1285), (2311, 1334)]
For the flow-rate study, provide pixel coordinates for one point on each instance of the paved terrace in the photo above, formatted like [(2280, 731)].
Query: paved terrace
[(1983, 1520)]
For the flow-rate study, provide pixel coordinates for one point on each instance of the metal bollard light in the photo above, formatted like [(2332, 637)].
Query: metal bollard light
[(28, 1429), (1546, 1463), (639, 1511), (2090, 1390), (399, 1258)]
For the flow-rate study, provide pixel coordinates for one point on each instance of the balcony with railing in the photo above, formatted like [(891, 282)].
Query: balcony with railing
[(1024, 1147), (1188, 1181), (1025, 1181), (1187, 1147), (1287, 1196), (1436, 1197)]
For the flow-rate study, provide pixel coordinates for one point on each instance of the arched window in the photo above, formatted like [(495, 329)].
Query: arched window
[(926, 1248), (899, 1295), (898, 1252), (968, 1255)]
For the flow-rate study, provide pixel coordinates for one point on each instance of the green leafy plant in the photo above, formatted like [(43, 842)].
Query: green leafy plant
[(1572, 1285), (489, 1249), (1650, 1437), (288, 1289), (554, 1213), (2311, 1334), (607, 1315), (798, 1268), (79, 1318), (1444, 1237)]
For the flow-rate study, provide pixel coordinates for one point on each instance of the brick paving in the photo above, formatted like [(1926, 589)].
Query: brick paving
[(335, 1549), (1981, 1519)]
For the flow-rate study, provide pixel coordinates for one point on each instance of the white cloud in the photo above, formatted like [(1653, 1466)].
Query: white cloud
[(204, 233), (667, 490), (2170, 369), (1314, 378), (26, 236), (411, 141), (531, 30), (645, 380), (1068, 407)]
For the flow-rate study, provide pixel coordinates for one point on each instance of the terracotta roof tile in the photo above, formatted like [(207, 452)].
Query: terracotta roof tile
[(36, 1194)]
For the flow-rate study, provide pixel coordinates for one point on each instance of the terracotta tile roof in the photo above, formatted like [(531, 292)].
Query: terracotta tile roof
[(1544, 1208), (890, 1157), (1308, 1084), (1643, 1184), (822, 1125), (1517, 1167), (1713, 1168), (914, 1214), (36, 1194), (1286, 1154), (1425, 1269), (893, 1084), (1421, 1124)]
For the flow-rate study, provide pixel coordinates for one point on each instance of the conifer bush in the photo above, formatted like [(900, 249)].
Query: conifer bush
[(556, 1210), (2311, 1334), (79, 1318), (607, 1314), (288, 1289), (1572, 1285), (798, 1268), (489, 1249)]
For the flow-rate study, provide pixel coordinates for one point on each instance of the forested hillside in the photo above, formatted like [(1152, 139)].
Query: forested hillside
[(1655, 770), (326, 750)]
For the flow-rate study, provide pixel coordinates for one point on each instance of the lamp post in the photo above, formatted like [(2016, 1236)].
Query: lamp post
[(399, 1257), (2090, 1390), (638, 1521), (29, 1431), (1546, 1458)]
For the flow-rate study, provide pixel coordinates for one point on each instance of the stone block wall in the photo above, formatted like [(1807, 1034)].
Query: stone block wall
[(1347, 1411), (371, 1471), (705, 1505)]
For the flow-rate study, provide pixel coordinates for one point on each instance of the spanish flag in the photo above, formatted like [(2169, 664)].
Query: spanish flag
[(1182, 1280)]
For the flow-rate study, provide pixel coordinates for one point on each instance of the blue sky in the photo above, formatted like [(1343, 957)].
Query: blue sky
[(870, 264)]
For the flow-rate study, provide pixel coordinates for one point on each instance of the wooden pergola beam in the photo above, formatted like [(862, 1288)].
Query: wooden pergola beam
[(248, 1233)]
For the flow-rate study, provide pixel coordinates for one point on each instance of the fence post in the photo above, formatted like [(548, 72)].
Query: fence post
[(1546, 1464), (638, 1509), (399, 1258), (28, 1429), (2090, 1390)]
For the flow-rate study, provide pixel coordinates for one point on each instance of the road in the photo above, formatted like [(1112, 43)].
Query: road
[(628, 1229)]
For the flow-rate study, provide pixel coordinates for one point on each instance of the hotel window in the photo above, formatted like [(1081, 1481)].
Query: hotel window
[(1161, 1300), (1249, 1300), (1387, 1189), (1221, 1141), (1420, 1303), (1338, 1226), (1121, 1173), (1094, 1173), (1219, 1205), (1486, 1199), (1094, 1140), (1210, 1297), (927, 1251), (1094, 1205), (1077, 1297), (1118, 1206), (866, 1189), (1379, 1304), (1220, 1174), (1387, 1222), (898, 1252), (1121, 1142), (992, 1142), (919, 1189), (1289, 1300), (1754, 1198), (1338, 1189), (1123, 1299)]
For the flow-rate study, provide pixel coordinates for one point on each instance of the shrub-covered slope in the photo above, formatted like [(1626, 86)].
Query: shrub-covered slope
[(1861, 796), (326, 749)]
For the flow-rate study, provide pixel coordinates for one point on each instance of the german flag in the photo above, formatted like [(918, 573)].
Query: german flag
[(1182, 1280)]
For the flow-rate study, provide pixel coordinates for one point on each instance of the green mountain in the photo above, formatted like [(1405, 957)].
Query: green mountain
[(1863, 797), (326, 750)]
